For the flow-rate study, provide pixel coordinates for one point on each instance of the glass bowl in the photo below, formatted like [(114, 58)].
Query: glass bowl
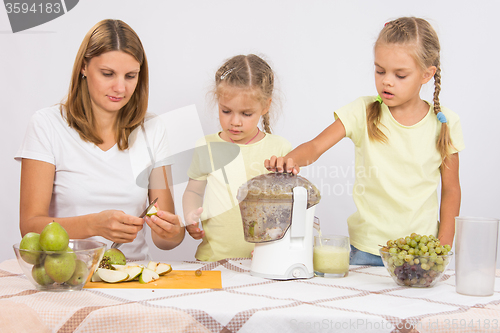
[(415, 271), (62, 270)]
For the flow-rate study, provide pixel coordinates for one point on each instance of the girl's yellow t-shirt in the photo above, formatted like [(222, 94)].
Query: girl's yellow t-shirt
[(226, 166), (396, 184)]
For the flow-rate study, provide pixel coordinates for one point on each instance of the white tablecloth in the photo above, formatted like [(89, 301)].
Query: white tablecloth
[(367, 300)]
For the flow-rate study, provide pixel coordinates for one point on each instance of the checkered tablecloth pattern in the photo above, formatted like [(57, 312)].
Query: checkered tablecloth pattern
[(367, 300)]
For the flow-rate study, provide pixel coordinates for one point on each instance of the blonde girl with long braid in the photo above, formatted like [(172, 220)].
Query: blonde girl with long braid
[(405, 147), (244, 91)]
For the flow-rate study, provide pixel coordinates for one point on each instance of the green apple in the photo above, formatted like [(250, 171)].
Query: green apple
[(60, 267), (116, 257), (40, 276), (29, 243), (80, 274), (54, 237)]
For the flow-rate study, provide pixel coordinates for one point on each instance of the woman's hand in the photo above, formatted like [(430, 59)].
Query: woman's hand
[(117, 226), (193, 222), (166, 226), (282, 164)]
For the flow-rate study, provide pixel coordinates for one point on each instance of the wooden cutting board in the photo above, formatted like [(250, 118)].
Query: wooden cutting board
[(173, 280)]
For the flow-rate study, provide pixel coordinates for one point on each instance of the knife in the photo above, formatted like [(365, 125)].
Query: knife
[(117, 245)]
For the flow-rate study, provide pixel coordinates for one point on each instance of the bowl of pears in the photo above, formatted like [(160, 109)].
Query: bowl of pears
[(416, 260), (53, 262)]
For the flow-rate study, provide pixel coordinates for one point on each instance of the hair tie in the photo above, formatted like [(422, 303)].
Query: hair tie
[(379, 99), (226, 73), (441, 117)]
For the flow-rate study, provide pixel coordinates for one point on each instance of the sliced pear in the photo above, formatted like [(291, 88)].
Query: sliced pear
[(163, 269), (148, 275), (119, 267), (95, 277), (112, 276), (152, 211), (152, 265), (133, 272)]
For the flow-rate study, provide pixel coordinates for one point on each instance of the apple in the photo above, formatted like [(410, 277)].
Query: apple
[(54, 237), (60, 266), (29, 244), (80, 274)]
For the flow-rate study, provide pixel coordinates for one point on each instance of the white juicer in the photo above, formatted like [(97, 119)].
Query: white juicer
[(278, 214)]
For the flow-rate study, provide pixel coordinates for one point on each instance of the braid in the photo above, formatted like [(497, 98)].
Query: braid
[(266, 123), (373, 120), (443, 143)]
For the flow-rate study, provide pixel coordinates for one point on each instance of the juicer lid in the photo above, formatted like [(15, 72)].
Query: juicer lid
[(277, 187)]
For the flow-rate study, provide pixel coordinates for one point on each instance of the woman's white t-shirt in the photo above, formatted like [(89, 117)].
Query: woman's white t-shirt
[(89, 180)]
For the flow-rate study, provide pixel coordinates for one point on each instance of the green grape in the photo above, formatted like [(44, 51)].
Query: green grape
[(417, 238), (393, 250), (424, 248), (413, 243), (447, 248), (424, 239)]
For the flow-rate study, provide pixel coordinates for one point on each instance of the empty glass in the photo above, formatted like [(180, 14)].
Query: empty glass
[(476, 242), (331, 256)]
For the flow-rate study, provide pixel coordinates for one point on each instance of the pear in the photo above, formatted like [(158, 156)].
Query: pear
[(152, 211), (80, 274), (29, 244), (163, 269), (148, 275), (60, 266), (54, 237), (152, 265), (133, 272), (40, 276), (111, 276), (95, 277), (116, 257)]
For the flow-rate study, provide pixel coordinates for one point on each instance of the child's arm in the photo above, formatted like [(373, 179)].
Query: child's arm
[(450, 199), (192, 202), (308, 152)]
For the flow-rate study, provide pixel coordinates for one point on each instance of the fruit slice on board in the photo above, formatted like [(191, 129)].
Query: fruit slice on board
[(163, 269), (111, 276), (148, 276), (133, 272)]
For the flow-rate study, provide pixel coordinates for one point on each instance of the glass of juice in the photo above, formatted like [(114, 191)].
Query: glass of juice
[(331, 256)]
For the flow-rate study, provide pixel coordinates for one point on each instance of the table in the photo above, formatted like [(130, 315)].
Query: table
[(367, 300)]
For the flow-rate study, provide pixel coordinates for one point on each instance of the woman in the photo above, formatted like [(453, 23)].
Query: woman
[(81, 160)]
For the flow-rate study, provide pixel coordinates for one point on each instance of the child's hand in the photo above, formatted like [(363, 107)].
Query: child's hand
[(280, 164), (192, 223)]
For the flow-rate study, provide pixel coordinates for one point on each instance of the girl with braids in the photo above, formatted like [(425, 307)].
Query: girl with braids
[(404, 146), (223, 161)]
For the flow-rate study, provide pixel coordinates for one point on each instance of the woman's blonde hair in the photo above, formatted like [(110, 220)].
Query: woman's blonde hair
[(105, 36), (248, 72), (423, 43)]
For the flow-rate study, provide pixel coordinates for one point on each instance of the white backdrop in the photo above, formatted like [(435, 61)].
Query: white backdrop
[(322, 55)]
